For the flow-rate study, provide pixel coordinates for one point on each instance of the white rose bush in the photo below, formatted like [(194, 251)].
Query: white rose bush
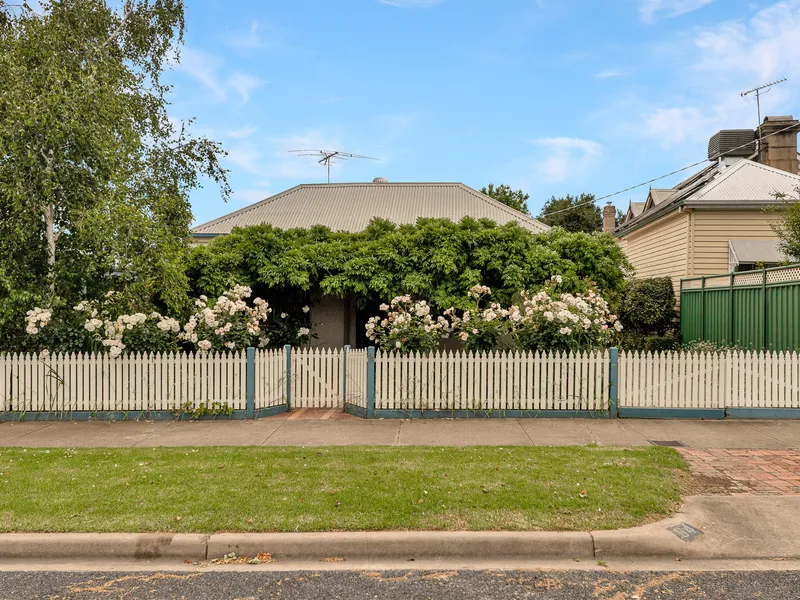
[(407, 327), (544, 321), (228, 323)]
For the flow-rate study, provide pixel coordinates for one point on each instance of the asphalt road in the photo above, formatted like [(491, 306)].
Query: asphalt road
[(390, 585)]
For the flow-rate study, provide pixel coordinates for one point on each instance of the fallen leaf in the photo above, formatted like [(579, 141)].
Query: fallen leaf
[(249, 521)]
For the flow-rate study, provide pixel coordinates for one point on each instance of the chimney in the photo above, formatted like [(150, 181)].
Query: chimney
[(779, 150), (609, 218)]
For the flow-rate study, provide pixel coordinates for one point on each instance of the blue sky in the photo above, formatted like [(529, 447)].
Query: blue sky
[(553, 96)]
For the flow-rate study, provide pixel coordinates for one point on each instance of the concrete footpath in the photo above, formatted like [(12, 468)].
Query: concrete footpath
[(332, 428), (707, 528)]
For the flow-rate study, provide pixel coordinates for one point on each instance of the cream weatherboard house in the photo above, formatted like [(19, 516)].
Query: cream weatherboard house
[(350, 207), (717, 220)]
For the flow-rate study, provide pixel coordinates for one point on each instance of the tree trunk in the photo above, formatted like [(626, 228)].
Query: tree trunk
[(49, 219)]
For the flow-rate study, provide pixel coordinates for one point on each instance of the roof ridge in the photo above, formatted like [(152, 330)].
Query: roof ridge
[(504, 207)]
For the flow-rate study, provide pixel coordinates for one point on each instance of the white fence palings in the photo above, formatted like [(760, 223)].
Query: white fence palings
[(134, 382), (495, 381), (738, 379)]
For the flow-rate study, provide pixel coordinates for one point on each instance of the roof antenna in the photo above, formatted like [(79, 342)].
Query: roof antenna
[(326, 157), (758, 91)]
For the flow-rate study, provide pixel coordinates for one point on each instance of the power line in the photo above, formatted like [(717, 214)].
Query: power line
[(675, 172)]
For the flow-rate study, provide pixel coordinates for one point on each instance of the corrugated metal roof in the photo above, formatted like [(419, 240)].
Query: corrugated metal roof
[(636, 209), (746, 181), (351, 206), (659, 195), (755, 251)]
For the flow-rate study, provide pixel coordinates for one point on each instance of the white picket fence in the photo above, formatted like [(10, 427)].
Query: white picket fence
[(492, 381), (135, 382), (270, 376), (438, 381), (707, 380)]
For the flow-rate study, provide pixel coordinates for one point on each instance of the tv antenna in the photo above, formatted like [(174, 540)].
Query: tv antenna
[(758, 91), (326, 157)]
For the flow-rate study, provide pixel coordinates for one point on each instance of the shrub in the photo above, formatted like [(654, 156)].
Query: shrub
[(648, 306), (481, 329), (408, 327), (546, 321), (225, 324), (639, 342), (552, 321)]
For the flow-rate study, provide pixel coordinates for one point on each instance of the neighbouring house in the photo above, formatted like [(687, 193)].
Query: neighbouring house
[(717, 220), (351, 207)]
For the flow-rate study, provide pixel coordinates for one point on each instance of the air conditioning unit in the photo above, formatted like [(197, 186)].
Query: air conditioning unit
[(732, 142)]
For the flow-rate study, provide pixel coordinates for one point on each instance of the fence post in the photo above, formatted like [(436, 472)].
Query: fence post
[(613, 383), (764, 309), (251, 383), (288, 350), (344, 374), (370, 382)]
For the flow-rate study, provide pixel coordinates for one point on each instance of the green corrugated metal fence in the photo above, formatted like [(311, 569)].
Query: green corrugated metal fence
[(753, 309)]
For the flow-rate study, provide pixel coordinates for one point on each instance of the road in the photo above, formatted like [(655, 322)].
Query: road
[(391, 585)]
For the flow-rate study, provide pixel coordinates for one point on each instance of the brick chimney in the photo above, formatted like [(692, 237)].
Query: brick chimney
[(609, 218), (779, 150)]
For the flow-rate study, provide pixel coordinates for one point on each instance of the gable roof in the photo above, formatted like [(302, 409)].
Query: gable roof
[(744, 184), (635, 209), (351, 206)]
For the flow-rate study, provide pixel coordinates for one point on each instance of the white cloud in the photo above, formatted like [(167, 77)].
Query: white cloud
[(651, 10), (411, 3), (205, 68), (243, 84), (251, 195), (248, 158), (672, 126), (725, 60), (243, 132), (247, 41), (610, 74), (566, 158)]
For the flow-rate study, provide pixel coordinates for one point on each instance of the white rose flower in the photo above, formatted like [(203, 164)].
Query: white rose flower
[(306, 309), (204, 345), (303, 331)]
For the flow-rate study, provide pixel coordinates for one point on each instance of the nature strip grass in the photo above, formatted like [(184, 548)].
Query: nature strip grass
[(335, 489)]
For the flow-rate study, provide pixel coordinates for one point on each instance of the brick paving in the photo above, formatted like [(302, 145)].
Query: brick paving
[(749, 472)]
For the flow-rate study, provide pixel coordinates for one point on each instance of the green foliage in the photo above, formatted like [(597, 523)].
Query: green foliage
[(94, 176), (712, 347), (648, 306), (639, 342), (214, 409), (573, 213), (503, 193), (435, 259), (788, 228)]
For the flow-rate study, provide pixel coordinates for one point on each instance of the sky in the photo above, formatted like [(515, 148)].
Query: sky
[(551, 96)]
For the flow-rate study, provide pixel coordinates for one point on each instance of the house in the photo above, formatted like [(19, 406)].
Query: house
[(351, 207), (718, 219)]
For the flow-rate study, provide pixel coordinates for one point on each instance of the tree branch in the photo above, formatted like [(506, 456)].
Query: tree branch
[(115, 34)]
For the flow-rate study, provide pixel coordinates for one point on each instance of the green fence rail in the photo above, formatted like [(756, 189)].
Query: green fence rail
[(758, 310)]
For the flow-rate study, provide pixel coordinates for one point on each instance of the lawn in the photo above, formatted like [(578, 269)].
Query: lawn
[(335, 489)]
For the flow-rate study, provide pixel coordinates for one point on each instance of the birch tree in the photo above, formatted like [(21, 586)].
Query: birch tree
[(94, 175)]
